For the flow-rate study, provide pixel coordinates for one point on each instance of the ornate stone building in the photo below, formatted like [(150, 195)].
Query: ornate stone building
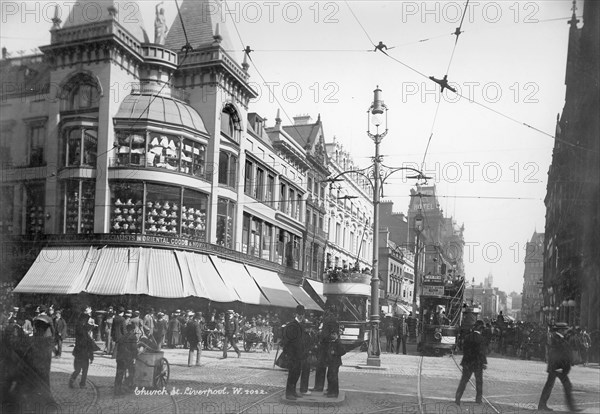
[(571, 285)]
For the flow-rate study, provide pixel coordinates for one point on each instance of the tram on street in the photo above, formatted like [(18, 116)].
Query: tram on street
[(440, 314), (349, 293)]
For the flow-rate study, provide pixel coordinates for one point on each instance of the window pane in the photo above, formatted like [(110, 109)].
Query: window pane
[(266, 241), (245, 233), (90, 147), (131, 148), (193, 214), (164, 152), (193, 158), (225, 223), (232, 180), (270, 189), (7, 210), (37, 139), (223, 167), (248, 177), (34, 223), (126, 207), (74, 147), (79, 207), (162, 209), (260, 184)]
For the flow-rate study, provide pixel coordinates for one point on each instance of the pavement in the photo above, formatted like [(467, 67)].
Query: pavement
[(252, 384)]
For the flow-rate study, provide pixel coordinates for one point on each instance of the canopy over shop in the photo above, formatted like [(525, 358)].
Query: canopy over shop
[(158, 273)]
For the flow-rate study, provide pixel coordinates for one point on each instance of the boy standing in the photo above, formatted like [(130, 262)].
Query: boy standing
[(333, 358)]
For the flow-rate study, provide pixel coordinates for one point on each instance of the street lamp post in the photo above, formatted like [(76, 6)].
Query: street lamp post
[(418, 229), (375, 117)]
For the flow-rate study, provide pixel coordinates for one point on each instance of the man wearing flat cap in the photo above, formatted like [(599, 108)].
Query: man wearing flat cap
[(293, 345), (231, 329)]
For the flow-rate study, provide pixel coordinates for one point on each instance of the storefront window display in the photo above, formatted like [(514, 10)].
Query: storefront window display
[(163, 209), (127, 207), (131, 148), (164, 151), (193, 214), (78, 207), (81, 147), (35, 220), (225, 212)]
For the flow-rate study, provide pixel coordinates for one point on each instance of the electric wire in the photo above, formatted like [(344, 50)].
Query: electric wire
[(291, 120)]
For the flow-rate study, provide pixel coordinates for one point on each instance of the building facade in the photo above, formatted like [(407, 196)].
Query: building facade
[(571, 262), (132, 167)]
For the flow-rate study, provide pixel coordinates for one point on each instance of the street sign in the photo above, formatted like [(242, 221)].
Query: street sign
[(432, 279)]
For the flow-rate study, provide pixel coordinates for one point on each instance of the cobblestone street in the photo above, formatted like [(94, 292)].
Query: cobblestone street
[(250, 384)]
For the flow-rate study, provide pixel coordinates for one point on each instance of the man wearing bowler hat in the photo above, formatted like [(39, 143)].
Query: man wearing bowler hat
[(293, 346)]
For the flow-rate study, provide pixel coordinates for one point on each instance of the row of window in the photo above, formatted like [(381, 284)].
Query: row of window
[(264, 240)]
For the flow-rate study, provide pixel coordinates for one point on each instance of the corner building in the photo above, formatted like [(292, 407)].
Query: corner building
[(134, 168)]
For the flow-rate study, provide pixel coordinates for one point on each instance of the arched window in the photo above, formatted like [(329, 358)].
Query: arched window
[(81, 92), (231, 125)]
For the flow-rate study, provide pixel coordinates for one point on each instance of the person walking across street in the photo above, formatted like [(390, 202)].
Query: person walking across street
[(559, 365), (231, 330), (60, 333), (474, 361), (193, 333), (83, 352), (293, 345), (126, 354)]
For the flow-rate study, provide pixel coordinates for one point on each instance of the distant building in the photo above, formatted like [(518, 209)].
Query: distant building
[(532, 304)]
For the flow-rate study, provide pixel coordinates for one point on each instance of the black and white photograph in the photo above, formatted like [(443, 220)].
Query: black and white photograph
[(299, 206)]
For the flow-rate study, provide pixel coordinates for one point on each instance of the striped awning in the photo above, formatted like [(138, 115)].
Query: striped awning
[(204, 279), (272, 287), (57, 270), (238, 280), (303, 298), (317, 287)]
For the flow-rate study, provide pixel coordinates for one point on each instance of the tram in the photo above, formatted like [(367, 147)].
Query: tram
[(440, 314), (349, 292)]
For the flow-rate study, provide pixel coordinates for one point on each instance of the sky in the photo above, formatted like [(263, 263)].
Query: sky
[(487, 149)]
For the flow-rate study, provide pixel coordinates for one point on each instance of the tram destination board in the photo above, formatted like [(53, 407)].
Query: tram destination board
[(433, 290)]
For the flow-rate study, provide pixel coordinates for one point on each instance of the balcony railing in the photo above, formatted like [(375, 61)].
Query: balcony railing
[(347, 277)]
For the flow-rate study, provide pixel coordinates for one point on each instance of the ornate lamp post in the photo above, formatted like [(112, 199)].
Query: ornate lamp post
[(376, 174), (376, 117)]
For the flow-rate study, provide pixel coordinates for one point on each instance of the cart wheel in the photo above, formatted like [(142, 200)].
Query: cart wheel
[(247, 346), (161, 373)]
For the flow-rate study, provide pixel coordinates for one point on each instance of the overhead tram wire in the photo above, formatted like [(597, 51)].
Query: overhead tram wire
[(457, 33), (262, 77), (476, 102)]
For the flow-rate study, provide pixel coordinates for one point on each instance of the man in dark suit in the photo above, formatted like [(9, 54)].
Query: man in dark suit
[(60, 332), (293, 346), (473, 361), (118, 328), (231, 329), (559, 365)]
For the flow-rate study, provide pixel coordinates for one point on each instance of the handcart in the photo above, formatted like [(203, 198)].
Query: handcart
[(151, 367)]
